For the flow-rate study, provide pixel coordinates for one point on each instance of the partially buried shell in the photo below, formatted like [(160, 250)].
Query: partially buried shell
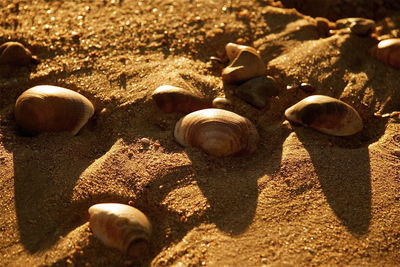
[(14, 53), (387, 51), (174, 99), (326, 114), (218, 132), (246, 63), (47, 108), (121, 226)]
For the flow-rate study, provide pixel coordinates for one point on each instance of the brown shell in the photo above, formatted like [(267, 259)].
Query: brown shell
[(120, 226), (47, 108), (14, 53), (174, 99), (326, 114), (218, 132), (246, 65), (387, 51)]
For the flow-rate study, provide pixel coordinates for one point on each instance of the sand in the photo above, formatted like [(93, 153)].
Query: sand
[(302, 199)]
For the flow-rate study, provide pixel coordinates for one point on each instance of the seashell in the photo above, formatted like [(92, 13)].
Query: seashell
[(218, 132), (232, 50), (14, 53), (222, 103), (120, 226), (258, 91), (246, 65), (47, 108), (174, 99), (326, 114), (387, 51), (359, 26)]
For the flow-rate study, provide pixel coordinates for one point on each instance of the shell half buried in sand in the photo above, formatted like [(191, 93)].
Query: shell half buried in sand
[(326, 114), (47, 108), (175, 99), (387, 51), (218, 132), (121, 226)]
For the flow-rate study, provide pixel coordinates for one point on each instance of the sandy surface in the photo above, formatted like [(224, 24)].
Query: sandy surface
[(303, 199)]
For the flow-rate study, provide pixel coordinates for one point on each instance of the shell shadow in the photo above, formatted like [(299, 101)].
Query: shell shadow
[(345, 179), (46, 169)]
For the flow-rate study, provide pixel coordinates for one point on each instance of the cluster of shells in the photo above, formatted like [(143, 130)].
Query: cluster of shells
[(208, 124)]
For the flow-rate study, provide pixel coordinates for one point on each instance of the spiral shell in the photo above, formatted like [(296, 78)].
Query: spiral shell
[(387, 51), (246, 64), (258, 91), (14, 53), (326, 114), (47, 108), (218, 132), (174, 99), (120, 226)]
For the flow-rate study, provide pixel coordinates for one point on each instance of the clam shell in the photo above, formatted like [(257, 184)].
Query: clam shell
[(326, 114), (47, 108), (387, 51), (222, 103), (218, 132), (258, 91), (14, 53), (120, 226), (174, 99), (246, 65)]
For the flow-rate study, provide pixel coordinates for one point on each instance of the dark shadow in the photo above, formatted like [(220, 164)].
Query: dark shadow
[(345, 179), (43, 175)]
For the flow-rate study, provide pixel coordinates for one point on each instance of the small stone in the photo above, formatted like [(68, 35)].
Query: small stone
[(258, 91), (222, 103), (307, 88), (245, 66), (359, 26)]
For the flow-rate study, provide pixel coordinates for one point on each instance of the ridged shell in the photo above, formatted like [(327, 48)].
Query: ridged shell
[(174, 99), (47, 108), (15, 53), (387, 51), (218, 132), (120, 226), (246, 65), (326, 114), (258, 91)]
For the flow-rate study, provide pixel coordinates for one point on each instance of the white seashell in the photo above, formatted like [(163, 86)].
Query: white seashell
[(218, 132), (47, 108), (120, 226), (326, 114)]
